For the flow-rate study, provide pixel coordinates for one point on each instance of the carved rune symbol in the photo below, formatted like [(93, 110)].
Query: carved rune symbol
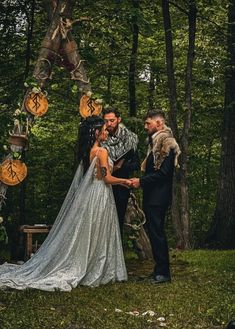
[(36, 101), (90, 106), (12, 174)]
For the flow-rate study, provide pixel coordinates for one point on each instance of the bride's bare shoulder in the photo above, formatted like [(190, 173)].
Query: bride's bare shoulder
[(102, 152)]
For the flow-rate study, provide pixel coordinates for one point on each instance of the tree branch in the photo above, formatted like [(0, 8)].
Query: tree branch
[(179, 7), (202, 17)]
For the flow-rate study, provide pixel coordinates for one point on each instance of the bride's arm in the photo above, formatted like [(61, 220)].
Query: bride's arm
[(105, 171)]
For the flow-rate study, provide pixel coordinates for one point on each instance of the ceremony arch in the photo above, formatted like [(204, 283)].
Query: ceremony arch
[(58, 45)]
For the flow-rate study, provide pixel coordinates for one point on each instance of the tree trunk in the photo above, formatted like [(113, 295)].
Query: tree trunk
[(176, 193), (151, 88), (192, 16), (170, 67), (133, 60), (176, 199), (29, 39), (223, 226), (180, 204)]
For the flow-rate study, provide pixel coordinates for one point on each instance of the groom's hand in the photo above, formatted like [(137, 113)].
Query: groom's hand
[(135, 182)]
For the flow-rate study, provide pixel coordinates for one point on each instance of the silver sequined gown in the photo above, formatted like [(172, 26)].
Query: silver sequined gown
[(83, 247)]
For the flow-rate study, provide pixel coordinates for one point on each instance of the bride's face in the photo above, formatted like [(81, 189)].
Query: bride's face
[(103, 134)]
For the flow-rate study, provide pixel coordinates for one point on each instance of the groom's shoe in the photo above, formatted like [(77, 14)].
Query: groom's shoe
[(161, 279)]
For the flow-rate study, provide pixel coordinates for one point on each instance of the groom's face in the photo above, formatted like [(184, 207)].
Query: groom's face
[(112, 122), (150, 126)]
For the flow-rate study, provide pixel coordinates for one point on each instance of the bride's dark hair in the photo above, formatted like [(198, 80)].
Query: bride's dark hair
[(87, 138)]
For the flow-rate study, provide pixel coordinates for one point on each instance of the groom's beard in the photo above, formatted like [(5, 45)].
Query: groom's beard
[(112, 130)]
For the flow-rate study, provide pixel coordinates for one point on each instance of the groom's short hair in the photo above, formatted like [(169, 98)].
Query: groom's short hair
[(110, 109), (155, 114)]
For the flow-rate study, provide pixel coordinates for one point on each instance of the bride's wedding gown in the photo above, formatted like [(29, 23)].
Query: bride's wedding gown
[(83, 247)]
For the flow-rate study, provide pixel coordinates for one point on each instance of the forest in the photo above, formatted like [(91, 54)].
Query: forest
[(177, 56)]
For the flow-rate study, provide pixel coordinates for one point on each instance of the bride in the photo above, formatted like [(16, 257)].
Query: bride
[(84, 245)]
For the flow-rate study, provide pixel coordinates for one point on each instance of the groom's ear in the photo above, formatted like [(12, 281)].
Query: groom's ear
[(119, 119)]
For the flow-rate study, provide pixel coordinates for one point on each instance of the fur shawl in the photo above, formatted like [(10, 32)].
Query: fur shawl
[(163, 142)]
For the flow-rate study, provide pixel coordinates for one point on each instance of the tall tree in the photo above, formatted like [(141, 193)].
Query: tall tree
[(170, 67), (223, 227), (180, 209), (133, 58), (192, 14)]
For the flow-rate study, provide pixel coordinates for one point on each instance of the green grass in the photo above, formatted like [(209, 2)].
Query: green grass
[(201, 295)]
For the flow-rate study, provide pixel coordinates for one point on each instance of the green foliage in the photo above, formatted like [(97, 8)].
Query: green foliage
[(105, 43)]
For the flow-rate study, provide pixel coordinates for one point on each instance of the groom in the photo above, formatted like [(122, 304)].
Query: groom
[(156, 183)]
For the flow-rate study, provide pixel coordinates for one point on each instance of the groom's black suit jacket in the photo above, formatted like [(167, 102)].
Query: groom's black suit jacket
[(157, 184)]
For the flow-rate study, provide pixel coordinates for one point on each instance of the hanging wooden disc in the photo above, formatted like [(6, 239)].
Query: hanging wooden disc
[(36, 103), (88, 107), (12, 172)]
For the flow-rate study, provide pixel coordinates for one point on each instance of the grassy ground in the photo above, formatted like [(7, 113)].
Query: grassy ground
[(201, 295)]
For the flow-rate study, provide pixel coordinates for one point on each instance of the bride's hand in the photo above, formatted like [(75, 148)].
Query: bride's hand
[(127, 183)]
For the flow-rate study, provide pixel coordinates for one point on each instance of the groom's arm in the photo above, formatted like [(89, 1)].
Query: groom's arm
[(163, 174), (160, 175)]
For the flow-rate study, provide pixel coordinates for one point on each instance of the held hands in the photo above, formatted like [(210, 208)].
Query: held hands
[(135, 182), (127, 183), (131, 183)]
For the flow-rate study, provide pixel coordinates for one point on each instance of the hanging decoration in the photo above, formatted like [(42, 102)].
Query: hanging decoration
[(36, 103), (89, 107), (57, 46), (12, 172)]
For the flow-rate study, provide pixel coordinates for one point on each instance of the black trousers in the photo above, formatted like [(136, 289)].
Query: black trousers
[(155, 226), (121, 196)]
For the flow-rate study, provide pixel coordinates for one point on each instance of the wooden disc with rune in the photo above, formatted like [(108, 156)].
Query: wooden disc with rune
[(89, 107), (12, 172), (36, 103)]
